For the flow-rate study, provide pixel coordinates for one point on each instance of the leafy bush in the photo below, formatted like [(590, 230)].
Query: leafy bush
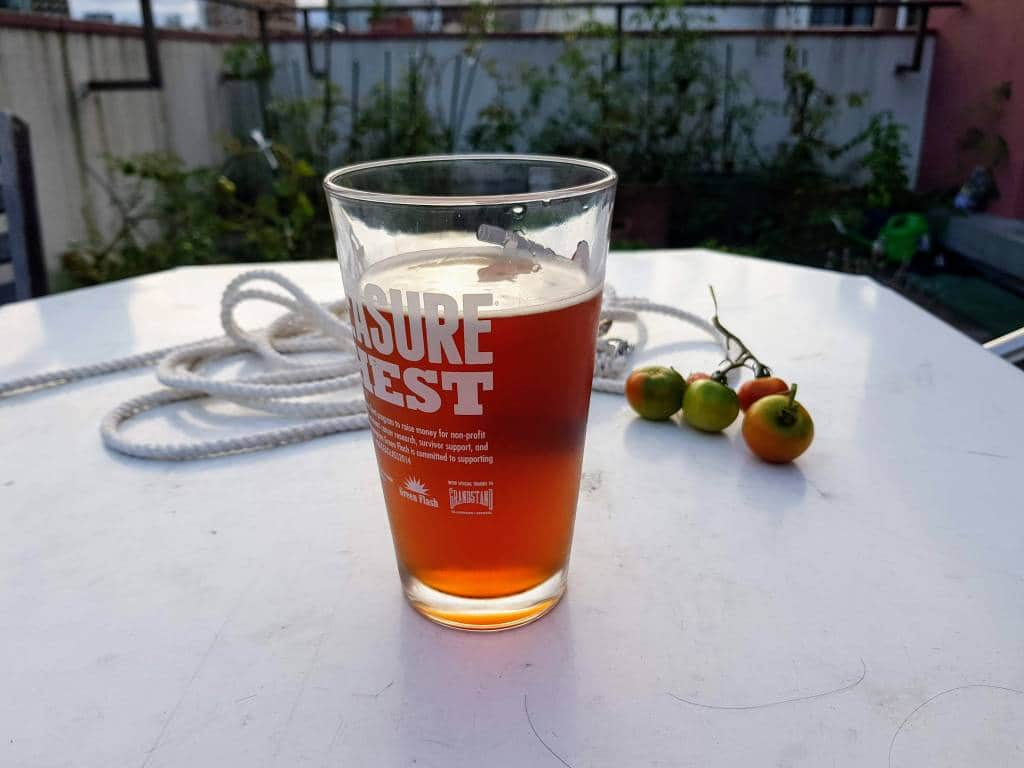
[(498, 126), (668, 111), (247, 61), (884, 161), (812, 113), (396, 121), (172, 216), (307, 127)]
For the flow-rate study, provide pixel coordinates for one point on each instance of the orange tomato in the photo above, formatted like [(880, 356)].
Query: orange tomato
[(778, 429)]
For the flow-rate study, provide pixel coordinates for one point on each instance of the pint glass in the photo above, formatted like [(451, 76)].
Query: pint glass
[(474, 288)]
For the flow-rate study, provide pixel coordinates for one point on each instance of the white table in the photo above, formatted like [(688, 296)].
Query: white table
[(245, 611)]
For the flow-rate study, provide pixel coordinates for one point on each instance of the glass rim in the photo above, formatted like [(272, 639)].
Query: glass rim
[(333, 189)]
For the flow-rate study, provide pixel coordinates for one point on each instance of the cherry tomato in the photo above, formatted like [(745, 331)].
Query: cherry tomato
[(655, 392), (710, 406), (752, 391), (696, 376), (777, 428)]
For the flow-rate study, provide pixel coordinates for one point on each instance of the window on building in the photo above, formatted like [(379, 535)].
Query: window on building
[(842, 16)]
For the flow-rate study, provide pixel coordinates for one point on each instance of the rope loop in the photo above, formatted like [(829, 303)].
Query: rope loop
[(291, 378)]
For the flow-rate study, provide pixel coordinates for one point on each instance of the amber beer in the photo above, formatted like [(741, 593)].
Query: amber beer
[(477, 369)]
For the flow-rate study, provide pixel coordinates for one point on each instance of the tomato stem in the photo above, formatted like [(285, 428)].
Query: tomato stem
[(723, 369), (787, 414), (744, 357)]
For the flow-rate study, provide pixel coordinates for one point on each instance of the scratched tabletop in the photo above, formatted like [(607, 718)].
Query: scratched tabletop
[(863, 607)]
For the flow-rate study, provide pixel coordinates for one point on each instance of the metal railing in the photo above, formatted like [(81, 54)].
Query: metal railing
[(154, 79), (620, 7), (263, 12), (1009, 347)]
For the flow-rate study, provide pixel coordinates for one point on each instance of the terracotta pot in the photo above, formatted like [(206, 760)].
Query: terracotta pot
[(642, 214), (393, 24)]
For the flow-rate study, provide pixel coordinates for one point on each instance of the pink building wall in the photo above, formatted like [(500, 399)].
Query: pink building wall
[(977, 46)]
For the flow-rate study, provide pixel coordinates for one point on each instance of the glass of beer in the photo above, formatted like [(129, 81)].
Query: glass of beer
[(474, 288)]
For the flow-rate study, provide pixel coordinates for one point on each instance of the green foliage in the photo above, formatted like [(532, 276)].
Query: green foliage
[(660, 116), (246, 61), (396, 121), (671, 115), (760, 214), (812, 113), (308, 126), (479, 18), (172, 228), (281, 218), (670, 110), (497, 124), (172, 216), (884, 161)]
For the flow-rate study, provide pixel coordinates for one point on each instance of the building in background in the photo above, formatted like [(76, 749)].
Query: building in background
[(102, 16), (173, 21), (842, 16), (225, 18), (976, 101), (52, 7)]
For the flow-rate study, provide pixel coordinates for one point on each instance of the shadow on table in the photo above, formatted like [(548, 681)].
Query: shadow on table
[(469, 688), (656, 440), (770, 489)]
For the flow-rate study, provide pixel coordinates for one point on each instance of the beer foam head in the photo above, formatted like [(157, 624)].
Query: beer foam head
[(519, 282)]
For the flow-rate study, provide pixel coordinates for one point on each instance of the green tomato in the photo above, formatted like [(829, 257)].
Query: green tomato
[(710, 406), (655, 392)]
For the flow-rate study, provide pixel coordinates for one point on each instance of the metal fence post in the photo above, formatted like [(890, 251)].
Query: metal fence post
[(387, 103), (354, 103), (919, 38), (307, 40), (618, 38), (156, 78), (263, 90), (22, 244)]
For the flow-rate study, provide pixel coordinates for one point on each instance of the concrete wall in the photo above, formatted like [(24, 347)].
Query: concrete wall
[(977, 47), (43, 71), (42, 78)]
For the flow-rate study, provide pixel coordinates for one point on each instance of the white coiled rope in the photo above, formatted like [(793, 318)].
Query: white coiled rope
[(292, 379)]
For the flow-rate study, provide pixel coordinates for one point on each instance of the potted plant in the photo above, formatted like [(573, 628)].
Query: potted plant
[(383, 22)]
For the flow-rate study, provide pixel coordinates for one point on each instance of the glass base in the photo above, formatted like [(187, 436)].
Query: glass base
[(485, 614)]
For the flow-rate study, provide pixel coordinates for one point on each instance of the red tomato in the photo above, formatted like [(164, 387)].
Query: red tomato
[(752, 391)]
